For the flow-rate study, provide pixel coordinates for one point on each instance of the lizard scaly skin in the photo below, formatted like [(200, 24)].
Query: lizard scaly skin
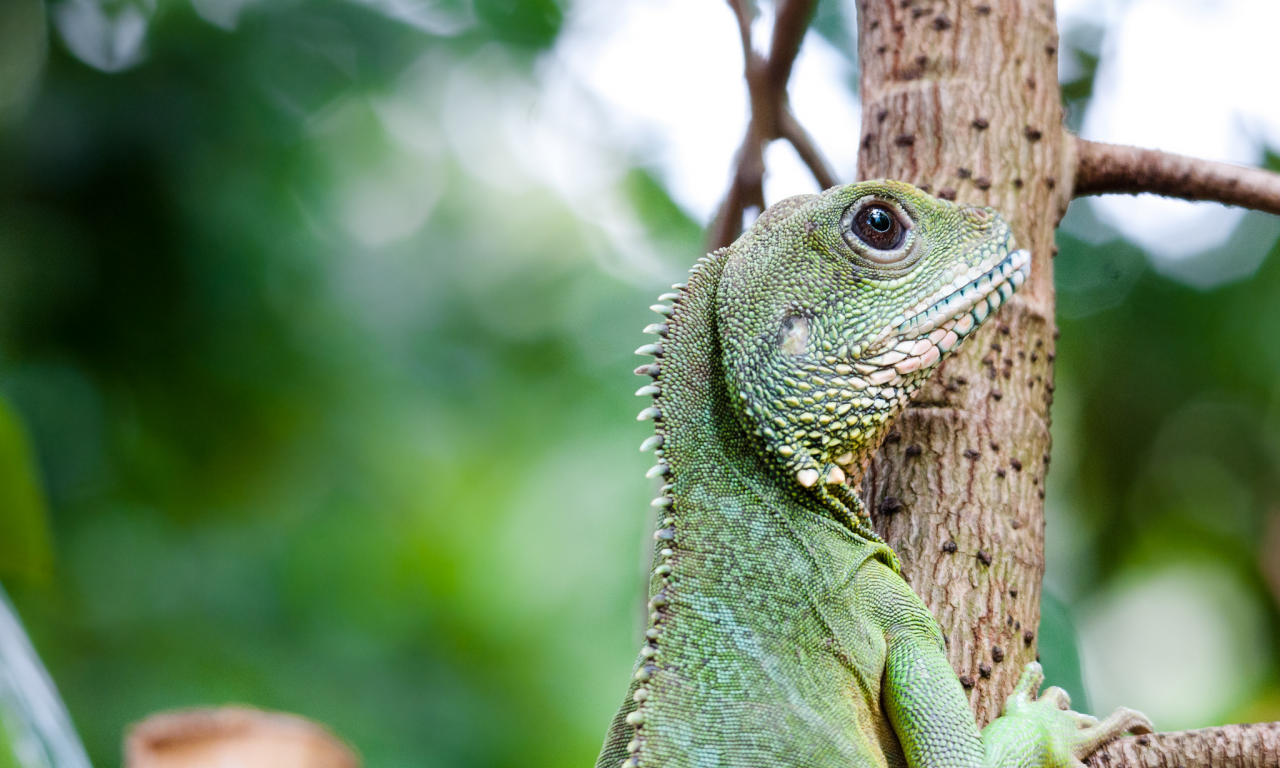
[(781, 633)]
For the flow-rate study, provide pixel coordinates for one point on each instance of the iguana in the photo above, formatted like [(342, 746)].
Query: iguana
[(781, 632)]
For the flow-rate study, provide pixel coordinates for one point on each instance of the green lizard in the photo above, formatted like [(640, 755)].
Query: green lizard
[(781, 633)]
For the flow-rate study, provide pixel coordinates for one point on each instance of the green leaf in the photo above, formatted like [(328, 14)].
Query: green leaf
[(25, 548)]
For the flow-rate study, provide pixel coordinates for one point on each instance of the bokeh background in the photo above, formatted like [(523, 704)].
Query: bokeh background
[(316, 320)]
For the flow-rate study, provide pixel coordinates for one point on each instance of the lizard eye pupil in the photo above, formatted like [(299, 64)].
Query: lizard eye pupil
[(876, 226)]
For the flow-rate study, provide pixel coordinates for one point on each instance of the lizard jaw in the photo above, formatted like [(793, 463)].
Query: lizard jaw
[(939, 323)]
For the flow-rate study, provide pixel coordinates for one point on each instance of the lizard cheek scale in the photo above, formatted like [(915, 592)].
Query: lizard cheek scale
[(780, 633)]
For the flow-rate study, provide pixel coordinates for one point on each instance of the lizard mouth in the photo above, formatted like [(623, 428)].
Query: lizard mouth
[(936, 325)]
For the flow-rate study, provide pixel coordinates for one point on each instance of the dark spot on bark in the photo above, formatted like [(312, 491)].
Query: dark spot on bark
[(997, 653), (1016, 464), (1051, 182), (893, 437), (913, 451), (921, 60), (904, 140), (1053, 252), (1051, 49), (971, 454), (880, 49), (981, 123), (984, 9), (1017, 183), (881, 115), (996, 346), (962, 381), (890, 505), (1144, 741), (994, 445), (1000, 472), (966, 681), (1040, 493), (982, 182), (947, 193), (1031, 84), (949, 547), (1016, 524), (984, 670), (941, 23), (1028, 636), (983, 557), (964, 173), (1050, 356), (875, 24), (1032, 134), (916, 12), (1004, 329), (1034, 357), (866, 141), (996, 394), (1013, 592)]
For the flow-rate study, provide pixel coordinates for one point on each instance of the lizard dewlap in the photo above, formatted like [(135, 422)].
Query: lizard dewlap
[(780, 633)]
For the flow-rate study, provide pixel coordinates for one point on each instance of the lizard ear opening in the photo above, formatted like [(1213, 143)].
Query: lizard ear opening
[(793, 336)]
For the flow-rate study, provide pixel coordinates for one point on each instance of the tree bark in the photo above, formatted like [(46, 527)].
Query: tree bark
[(1231, 746), (962, 98)]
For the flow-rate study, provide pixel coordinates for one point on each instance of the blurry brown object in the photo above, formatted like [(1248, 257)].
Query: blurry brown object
[(233, 737)]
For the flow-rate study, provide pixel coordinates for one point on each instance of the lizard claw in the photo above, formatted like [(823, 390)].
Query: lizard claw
[(1056, 697), (1118, 723), (1025, 691)]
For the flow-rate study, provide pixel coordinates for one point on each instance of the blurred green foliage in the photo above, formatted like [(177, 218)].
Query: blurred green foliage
[(391, 483)]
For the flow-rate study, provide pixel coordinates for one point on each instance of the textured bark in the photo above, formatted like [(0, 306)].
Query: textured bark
[(962, 98), (1231, 746)]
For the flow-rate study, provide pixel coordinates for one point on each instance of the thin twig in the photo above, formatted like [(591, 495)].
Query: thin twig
[(1113, 168), (799, 138), (788, 33), (771, 116)]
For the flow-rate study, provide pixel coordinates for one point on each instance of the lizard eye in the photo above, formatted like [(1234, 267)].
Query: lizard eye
[(878, 227)]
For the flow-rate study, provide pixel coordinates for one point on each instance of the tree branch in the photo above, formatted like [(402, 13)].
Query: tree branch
[(795, 133), (1113, 168), (1231, 746), (771, 116)]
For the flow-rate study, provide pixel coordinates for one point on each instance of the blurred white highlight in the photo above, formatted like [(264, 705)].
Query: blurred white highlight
[(1183, 645), (105, 34), (1188, 76)]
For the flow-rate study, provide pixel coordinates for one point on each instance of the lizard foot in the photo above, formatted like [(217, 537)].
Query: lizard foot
[(1041, 731)]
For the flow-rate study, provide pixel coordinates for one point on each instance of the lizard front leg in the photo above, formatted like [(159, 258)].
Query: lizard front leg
[(929, 711)]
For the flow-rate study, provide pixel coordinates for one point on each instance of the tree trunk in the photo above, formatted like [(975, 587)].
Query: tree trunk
[(962, 98)]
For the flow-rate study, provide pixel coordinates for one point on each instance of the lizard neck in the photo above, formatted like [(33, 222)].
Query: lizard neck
[(732, 526)]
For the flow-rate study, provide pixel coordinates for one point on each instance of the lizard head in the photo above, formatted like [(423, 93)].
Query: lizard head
[(834, 309)]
